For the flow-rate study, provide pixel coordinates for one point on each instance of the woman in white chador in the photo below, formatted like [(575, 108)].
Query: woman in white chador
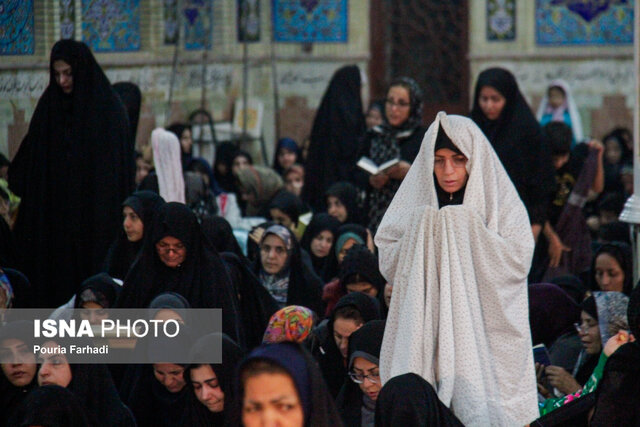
[(456, 245)]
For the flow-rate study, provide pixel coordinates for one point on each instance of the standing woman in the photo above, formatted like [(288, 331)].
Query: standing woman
[(398, 137), (337, 128), (456, 244), (500, 110), (72, 171)]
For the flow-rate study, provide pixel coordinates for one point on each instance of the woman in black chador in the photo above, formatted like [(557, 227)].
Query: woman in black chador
[(73, 169)]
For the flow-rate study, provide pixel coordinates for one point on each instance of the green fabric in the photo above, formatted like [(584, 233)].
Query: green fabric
[(591, 384)]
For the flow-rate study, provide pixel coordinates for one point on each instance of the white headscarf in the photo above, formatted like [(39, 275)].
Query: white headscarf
[(459, 312), (168, 164), (557, 114)]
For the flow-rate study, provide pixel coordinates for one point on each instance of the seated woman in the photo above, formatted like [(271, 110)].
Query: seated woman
[(285, 155), (358, 272), (283, 271), (612, 268), (258, 186), (97, 293), (212, 384), (51, 406), (408, 400), (294, 179), (285, 209), (330, 343), (357, 399), (319, 241), (137, 210), (342, 202), (91, 384), (456, 244), (618, 393), (18, 364), (178, 258), (603, 315), (281, 384)]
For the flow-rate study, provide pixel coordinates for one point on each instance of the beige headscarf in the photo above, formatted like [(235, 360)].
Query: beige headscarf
[(263, 183)]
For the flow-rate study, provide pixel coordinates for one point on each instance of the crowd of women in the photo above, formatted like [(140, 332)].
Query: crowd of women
[(412, 294)]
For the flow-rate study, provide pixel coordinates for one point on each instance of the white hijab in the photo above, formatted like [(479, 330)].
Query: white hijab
[(168, 163), (459, 313), (569, 105)]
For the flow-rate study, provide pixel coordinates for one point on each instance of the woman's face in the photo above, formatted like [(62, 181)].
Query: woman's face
[(362, 366), (281, 218), (93, 312), (590, 334), (363, 287), (132, 224), (54, 368), (286, 158), (556, 97), (186, 141), (321, 244), (491, 102), (142, 170), (342, 330), (373, 118), (294, 183), (207, 388), (343, 251), (13, 355), (336, 209), (450, 170), (239, 163), (609, 274), (397, 106), (388, 290), (271, 399), (612, 151), (171, 251), (273, 254), (170, 376), (64, 75)]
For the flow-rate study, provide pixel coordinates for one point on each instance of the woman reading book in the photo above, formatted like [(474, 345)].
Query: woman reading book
[(398, 137)]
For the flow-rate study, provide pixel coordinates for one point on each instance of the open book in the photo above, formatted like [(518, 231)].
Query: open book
[(370, 166)]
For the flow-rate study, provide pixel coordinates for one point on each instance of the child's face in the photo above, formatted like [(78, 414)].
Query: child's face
[(612, 151), (556, 97)]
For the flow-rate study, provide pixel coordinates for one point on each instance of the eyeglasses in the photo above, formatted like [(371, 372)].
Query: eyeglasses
[(359, 378), (399, 104), (163, 247), (582, 327)]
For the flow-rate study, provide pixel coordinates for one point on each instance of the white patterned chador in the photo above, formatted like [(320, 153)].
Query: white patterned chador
[(459, 312)]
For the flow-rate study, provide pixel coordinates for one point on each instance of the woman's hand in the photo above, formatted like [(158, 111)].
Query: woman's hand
[(556, 248), (540, 379), (561, 379), (256, 234), (399, 171), (616, 341), (378, 181)]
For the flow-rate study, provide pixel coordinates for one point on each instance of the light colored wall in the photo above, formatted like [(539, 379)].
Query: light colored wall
[(301, 74), (601, 77)]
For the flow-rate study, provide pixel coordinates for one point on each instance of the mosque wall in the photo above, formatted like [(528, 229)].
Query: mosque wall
[(588, 44), (137, 51)]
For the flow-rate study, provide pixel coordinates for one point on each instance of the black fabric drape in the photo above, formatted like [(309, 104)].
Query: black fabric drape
[(219, 232), (51, 406), (7, 245), (255, 303), (337, 128), (409, 400), (518, 141), (72, 171), (131, 98), (122, 252), (202, 278)]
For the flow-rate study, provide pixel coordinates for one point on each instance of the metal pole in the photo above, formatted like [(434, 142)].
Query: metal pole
[(631, 211), (174, 65), (245, 87)]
